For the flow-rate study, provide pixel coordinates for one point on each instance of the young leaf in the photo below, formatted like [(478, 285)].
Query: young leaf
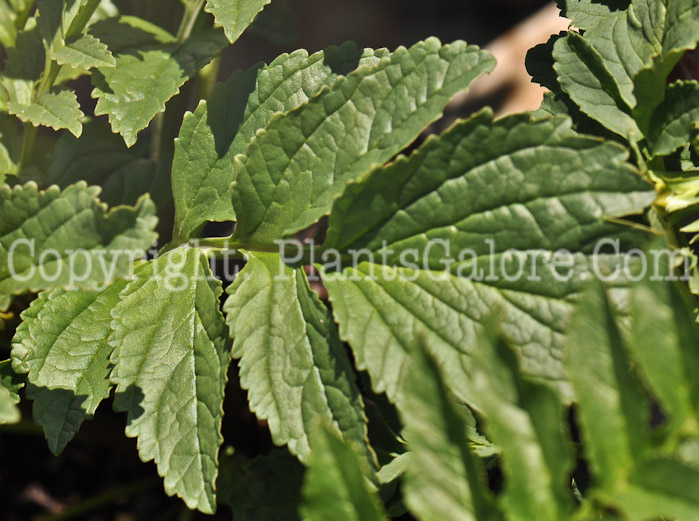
[(10, 384), (84, 52), (485, 216), (443, 480), (664, 343), (674, 120), (151, 66), (57, 108), (292, 363), (584, 76), (613, 410), (294, 170), (57, 238), (527, 422), (221, 127), (170, 355), (234, 15), (334, 486), (61, 345), (267, 488), (101, 158)]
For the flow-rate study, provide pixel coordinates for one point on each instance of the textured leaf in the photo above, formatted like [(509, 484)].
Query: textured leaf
[(57, 108), (101, 158), (84, 52), (221, 127), (613, 411), (150, 69), (664, 343), (10, 384), (292, 363), (444, 480), (62, 346), (459, 228), (294, 170), (526, 421), (585, 77), (171, 355), (267, 488), (587, 14), (57, 238), (676, 118), (334, 486), (234, 15)]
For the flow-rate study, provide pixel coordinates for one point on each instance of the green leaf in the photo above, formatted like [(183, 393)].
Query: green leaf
[(267, 488), (150, 69), (489, 215), (221, 128), (664, 343), (675, 119), (444, 479), (527, 422), (170, 355), (334, 486), (661, 488), (293, 365), (10, 384), (68, 238), (234, 15), (613, 411), (61, 345), (673, 28), (101, 158), (302, 161), (584, 76), (84, 52), (57, 108), (587, 14)]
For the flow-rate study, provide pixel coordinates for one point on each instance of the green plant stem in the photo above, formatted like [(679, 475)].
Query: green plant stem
[(99, 500), (191, 13), (48, 78), (206, 79)]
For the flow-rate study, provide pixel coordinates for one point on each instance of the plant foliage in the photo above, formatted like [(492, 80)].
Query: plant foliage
[(543, 375)]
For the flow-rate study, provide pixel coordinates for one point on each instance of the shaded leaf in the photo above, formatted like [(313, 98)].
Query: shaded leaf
[(100, 157), (57, 108), (234, 15), (221, 127), (68, 238), (675, 119), (584, 76), (334, 486), (150, 69), (489, 216), (444, 479), (613, 410), (266, 488), (62, 346), (84, 52), (10, 384)]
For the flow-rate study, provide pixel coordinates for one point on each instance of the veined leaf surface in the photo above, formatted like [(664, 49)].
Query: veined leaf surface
[(171, 353), (292, 172)]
